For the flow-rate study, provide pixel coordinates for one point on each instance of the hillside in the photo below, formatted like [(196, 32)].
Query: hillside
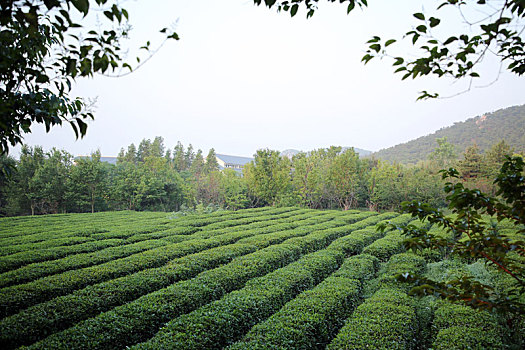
[(505, 124)]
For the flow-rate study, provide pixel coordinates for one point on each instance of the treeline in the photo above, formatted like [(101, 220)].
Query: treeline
[(151, 177), (147, 177)]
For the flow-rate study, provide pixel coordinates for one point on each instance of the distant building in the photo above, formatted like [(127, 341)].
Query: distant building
[(232, 162)]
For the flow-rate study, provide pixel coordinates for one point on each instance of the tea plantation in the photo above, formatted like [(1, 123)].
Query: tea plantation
[(266, 278)]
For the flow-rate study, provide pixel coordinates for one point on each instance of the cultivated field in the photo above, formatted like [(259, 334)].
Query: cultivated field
[(268, 278)]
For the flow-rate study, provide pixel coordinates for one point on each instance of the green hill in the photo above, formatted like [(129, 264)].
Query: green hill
[(505, 124)]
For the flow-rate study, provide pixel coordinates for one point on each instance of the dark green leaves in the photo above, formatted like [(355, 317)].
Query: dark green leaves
[(81, 5), (419, 16), (390, 42), (473, 237), (44, 42), (434, 22), (421, 28), (293, 10)]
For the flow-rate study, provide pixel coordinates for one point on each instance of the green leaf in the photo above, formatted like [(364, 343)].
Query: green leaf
[(390, 42), (81, 5), (294, 9), (71, 67), (434, 22), (42, 78), (450, 40), (366, 58), (399, 60), (51, 4), (419, 16), (421, 28), (375, 47), (82, 126)]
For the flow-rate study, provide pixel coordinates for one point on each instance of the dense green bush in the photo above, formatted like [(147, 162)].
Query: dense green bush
[(267, 279), (29, 325), (312, 319), (217, 324), (460, 327), (21, 296), (13, 261), (148, 313), (387, 246), (388, 319), (209, 328), (38, 270)]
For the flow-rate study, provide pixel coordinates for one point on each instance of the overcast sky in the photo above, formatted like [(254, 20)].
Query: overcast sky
[(244, 77)]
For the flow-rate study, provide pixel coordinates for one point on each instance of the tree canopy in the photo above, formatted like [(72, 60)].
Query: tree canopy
[(46, 45), (498, 31)]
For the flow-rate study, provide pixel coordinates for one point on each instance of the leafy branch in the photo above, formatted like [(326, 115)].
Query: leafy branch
[(473, 237), (45, 48), (458, 56)]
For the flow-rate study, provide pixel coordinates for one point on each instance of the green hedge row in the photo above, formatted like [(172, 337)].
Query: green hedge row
[(14, 261), (386, 247), (396, 265), (461, 327), (265, 221), (14, 227), (178, 234), (138, 320), (29, 325), (311, 320), (356, 215), (74, 238), (226, 219), (33, 324), (38, 270), (365, 238), (15, 298), (13, 249), (215, 325), (235, 219), (89, 228), (388, 319), (117, 225)]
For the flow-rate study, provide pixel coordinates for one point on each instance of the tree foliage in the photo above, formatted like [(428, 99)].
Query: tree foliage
[(472, 236), (150, 178), (499, 31), (444, 153), (45, 47)]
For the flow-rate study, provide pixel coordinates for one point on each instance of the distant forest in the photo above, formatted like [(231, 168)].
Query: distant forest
[(484, 131), (155, 178)]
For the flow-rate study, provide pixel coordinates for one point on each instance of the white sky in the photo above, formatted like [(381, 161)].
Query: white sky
[(244, 77)]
